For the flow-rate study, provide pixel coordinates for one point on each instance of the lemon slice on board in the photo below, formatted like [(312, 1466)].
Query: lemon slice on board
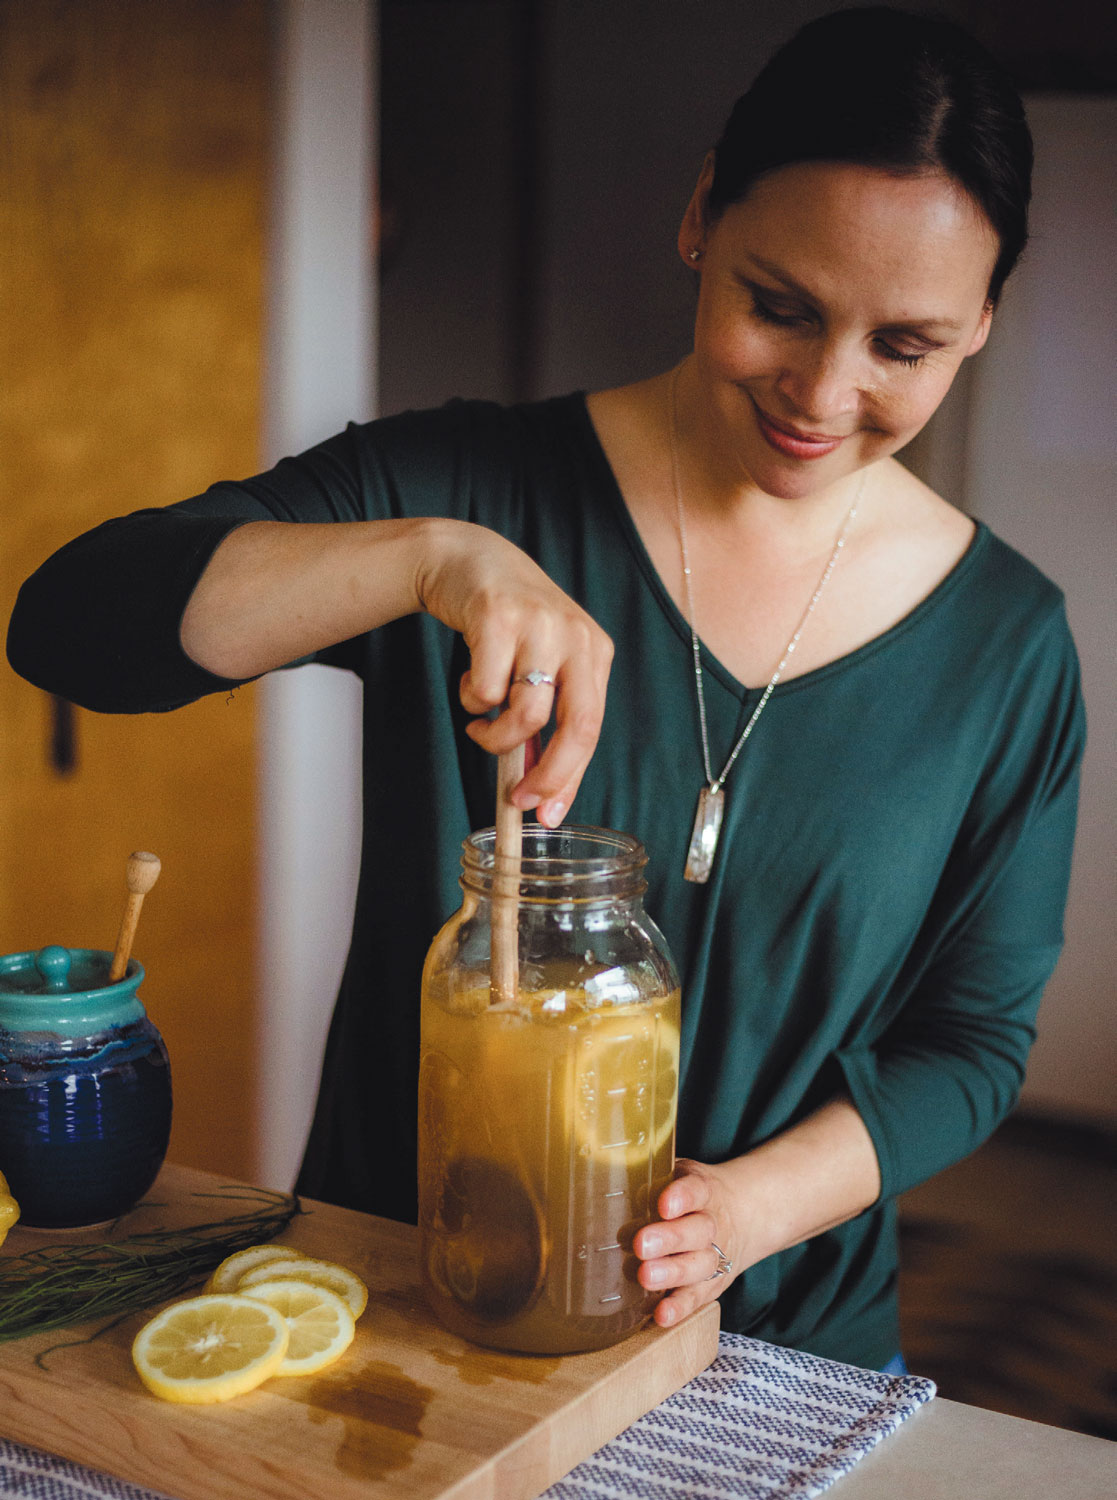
[(224, 1277), (210, 1348), (9, 1208), (320, 1324), (340, 1279), (626, 1080)]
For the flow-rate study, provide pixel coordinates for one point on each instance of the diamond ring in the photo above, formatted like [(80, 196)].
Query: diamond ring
[(724, 1265), (536, 679)]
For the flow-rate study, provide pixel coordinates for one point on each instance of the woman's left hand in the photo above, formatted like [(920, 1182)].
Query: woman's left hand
[(807, 1179), (697, 1211)]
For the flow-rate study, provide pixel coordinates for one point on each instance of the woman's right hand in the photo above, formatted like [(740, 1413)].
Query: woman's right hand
[(275, 592), (514, 620)]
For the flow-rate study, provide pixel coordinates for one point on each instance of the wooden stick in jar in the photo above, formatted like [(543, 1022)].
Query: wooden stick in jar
[(504, 955), (142, 873)]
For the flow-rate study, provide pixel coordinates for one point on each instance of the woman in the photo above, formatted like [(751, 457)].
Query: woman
[(882, 719)]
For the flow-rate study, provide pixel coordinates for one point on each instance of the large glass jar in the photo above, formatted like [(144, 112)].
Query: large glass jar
[(547, 1108)]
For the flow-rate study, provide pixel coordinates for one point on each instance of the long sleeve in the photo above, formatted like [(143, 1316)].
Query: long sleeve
[(98, 622), (949, 1068)]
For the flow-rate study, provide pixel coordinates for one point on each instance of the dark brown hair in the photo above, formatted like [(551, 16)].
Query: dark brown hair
[(890, 89)]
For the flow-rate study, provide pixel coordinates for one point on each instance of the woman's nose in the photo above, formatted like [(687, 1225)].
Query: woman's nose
[(823, 383)]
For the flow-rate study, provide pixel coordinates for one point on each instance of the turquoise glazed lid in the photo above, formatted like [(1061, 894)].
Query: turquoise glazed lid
[(65, 991)]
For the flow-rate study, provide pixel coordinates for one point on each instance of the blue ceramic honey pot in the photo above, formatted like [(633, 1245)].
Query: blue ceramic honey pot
[(85, 1087)]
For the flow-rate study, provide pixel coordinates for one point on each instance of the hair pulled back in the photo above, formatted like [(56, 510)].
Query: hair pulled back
[(889, 89)]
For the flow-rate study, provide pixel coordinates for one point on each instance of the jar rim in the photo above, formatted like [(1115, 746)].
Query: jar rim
[(570, 852), (20, 978), (25, 1005)]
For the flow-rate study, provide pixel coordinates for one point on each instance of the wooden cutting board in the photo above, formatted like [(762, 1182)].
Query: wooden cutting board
[(409, 1410)]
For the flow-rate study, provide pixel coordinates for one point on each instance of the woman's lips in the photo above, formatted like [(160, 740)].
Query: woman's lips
[(795, 444)]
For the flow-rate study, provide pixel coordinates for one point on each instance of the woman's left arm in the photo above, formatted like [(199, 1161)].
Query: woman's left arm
[(949, 1067), (815, 1175)]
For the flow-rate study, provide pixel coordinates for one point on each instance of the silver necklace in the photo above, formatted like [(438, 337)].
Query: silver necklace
[(711, 799)]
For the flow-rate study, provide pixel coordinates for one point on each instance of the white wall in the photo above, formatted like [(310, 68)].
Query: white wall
[(1041, 469), (321, 347)]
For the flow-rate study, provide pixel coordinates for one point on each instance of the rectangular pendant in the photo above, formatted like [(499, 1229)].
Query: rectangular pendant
[(704, 835)]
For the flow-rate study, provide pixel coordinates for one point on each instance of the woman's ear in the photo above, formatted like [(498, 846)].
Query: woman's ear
[(981, 332), (692, 231)]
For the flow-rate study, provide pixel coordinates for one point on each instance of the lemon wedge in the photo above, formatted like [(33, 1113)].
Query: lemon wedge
[(320, 1324), (348, 1286), (9, 1209), (626, 1081), (224, 1277), (210, 1348)]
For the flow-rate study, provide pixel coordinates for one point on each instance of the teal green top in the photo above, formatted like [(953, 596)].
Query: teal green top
[(886, 902)]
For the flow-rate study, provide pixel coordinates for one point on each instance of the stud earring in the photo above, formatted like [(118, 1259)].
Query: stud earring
[(695, 254)]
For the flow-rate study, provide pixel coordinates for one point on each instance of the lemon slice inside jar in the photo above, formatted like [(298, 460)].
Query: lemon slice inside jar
[(625, 1085)]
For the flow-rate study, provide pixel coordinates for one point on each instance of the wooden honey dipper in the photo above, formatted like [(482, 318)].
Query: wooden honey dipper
[(142, 873), (504, 973)]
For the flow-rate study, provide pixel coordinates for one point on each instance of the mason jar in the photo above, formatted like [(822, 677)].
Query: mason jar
[(547, 1100)]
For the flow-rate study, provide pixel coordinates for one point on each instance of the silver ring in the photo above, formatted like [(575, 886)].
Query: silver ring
[(724, 1265), (536, 679)]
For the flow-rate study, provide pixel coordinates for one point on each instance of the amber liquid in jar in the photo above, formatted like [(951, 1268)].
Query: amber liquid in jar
[(547, 1131)]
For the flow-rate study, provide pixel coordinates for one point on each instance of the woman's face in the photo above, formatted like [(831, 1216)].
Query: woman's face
[(836, 304)]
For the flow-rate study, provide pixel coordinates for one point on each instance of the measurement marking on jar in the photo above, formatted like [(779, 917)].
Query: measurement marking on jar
[(616, 1193), (613, 1246), (615, 1297)]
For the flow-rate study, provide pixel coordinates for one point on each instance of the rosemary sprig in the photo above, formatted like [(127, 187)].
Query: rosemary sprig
[(59, 1285)]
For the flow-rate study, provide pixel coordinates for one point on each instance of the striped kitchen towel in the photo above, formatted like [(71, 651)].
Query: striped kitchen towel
[(762, 1423)]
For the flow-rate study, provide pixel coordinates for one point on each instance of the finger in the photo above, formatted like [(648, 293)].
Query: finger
[(513, 639), (533, 750), (683, 1301), (689, 1193), (552, 812), (687, 1269), (485, 685), (526, 712), (507, 634), (579, 710), (532, 703), (693, 1232), (554, 780)]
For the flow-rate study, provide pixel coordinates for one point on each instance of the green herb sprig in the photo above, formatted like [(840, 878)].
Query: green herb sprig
[(57, 1286)]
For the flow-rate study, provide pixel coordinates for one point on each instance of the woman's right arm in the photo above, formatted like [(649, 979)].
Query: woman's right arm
[(152, 610), (274, 592)]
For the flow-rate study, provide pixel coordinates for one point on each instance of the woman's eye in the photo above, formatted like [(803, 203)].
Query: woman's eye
[(769, 314), (897, 356), (785, 317)]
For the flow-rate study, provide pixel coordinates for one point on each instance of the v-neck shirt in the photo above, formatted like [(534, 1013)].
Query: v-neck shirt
[(886, 901)]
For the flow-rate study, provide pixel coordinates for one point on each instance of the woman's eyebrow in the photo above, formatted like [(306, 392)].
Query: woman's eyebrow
[(913, 325), (778, 275)]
